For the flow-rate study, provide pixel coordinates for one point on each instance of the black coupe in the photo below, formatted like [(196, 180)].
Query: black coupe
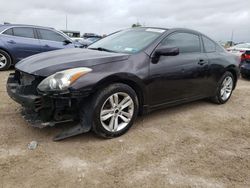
[(130, 72)]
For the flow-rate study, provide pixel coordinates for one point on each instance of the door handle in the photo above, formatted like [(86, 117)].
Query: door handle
[(202, 62), (11, 42)]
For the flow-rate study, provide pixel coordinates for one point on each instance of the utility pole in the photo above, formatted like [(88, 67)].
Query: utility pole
[(232, 37), (66, 22)]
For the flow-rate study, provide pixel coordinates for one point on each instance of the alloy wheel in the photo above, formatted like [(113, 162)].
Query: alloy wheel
[(227, 88), (3, 61), (117, 112)]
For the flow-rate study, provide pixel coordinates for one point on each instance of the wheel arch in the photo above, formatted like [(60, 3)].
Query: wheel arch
[(6, 51), (233, 71), (131, 80)]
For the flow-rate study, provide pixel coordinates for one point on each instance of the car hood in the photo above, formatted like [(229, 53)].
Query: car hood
[(46, 64)]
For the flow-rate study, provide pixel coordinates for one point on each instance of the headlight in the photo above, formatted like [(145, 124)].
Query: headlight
[(62, 80)]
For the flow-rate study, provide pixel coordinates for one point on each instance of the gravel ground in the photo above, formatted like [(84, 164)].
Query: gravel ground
[(194, 145)]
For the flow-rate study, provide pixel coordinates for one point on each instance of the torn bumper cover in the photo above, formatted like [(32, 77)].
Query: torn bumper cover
[(43, 110)]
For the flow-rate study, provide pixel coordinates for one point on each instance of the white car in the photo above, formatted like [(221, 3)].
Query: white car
[(239, 49), (77, 39)]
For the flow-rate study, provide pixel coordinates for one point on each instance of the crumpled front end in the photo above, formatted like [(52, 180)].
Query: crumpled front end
[(38, 109)]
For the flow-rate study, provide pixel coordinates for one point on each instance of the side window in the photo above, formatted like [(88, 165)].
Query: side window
[(50, 35), (186, 42), (8, 32), (209, 45), (23, 32)]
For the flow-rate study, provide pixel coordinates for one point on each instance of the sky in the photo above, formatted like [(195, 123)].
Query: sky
[(215, 18)]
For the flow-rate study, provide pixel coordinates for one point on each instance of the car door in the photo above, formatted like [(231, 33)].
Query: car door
[(21, 42), (216, 56), (51, 40), (180, 77)]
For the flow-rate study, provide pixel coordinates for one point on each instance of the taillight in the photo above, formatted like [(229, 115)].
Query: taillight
[(242, 51), (245, 57)]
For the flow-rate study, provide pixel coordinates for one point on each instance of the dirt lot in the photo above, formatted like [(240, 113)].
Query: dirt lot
[(193, 145)]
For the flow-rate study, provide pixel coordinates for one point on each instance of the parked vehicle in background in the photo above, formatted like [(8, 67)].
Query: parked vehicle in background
[(20, 41), (245, 65), (85, 42), (89, 35), (229, 44), (78, 39), (90, 38), (133, 71), (88, 41), (72, 34), (239, 49)]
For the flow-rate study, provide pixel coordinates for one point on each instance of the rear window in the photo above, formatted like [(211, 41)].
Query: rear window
[(23, 32), (209, 45)]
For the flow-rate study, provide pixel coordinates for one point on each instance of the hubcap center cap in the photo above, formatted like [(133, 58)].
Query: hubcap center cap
[(116, 111)]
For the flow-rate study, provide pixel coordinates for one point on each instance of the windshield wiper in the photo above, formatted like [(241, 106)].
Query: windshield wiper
[(102, 49)]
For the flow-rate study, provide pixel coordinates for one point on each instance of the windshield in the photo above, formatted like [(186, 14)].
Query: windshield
[(128, 41)]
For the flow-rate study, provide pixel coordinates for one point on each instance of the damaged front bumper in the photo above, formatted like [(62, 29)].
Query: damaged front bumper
[(41, 110)]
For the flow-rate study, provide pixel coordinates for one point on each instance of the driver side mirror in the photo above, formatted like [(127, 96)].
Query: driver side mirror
[(66, 42), (164, 51)]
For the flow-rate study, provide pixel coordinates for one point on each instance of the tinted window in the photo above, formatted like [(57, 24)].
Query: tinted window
[(23, 32), (209, 45), (50, 35), (186, 42), (8, 32)]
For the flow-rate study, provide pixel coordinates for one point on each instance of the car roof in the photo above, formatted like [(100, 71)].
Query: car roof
[(187, 30), (173, 29), (5, 26), (150, 28)]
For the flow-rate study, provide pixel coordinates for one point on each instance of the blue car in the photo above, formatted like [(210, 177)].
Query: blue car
[(20, 41)]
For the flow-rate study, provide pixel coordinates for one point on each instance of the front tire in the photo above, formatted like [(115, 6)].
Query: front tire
[(224, 89), (5, 60), (114, 110)]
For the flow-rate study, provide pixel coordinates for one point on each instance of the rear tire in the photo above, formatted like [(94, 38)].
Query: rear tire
[(112, 110), (5, 60), (224, 89)]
